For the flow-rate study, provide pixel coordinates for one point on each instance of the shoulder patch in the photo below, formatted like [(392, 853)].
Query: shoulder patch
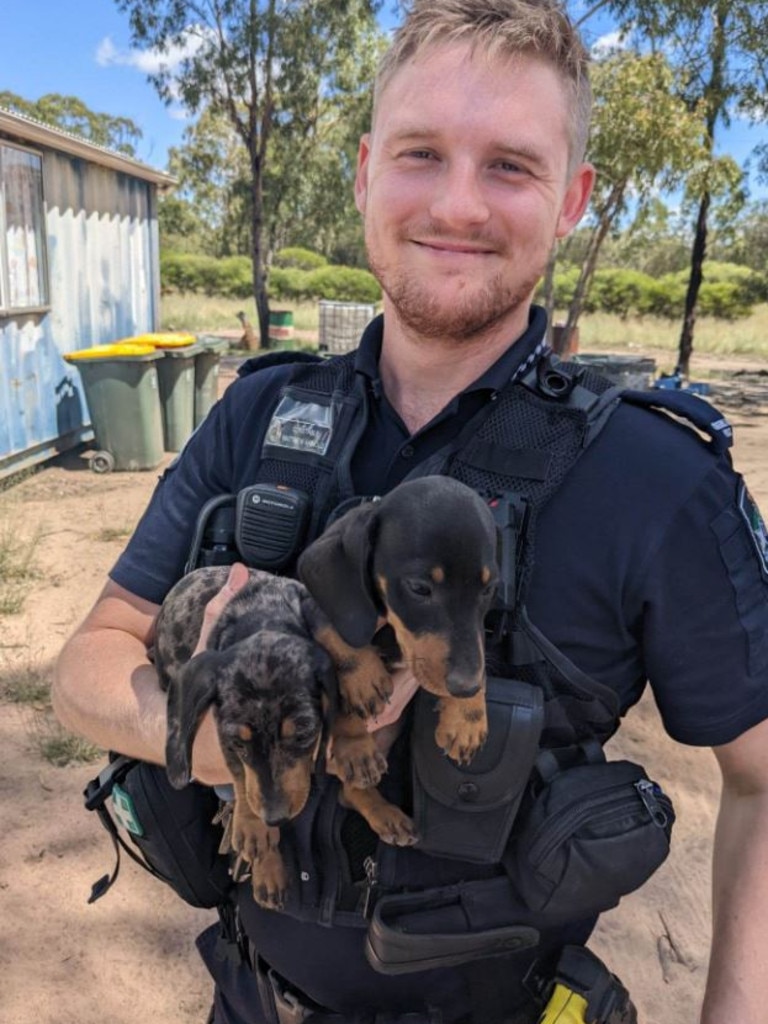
[(755, 525)]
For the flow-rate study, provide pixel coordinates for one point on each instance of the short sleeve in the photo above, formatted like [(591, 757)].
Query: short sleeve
[(705, 621)]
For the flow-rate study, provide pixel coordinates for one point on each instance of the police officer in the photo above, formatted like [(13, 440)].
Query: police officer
[(648, 562)]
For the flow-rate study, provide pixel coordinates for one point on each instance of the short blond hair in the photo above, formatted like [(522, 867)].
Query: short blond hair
[(503, 28)]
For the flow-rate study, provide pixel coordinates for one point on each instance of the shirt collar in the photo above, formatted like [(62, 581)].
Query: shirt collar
[(520, 354)]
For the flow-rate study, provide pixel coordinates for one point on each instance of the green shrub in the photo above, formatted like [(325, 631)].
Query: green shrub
[(617, 290), (297, 258), (723, 300), (344, 284), (289, 284)]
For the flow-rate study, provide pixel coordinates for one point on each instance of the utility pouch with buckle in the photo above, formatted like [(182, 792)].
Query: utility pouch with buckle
[(590, 833), (466, 812)]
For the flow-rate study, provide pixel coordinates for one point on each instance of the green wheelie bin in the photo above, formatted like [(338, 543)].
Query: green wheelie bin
[(176, 377), (120, 384), (207, 373)]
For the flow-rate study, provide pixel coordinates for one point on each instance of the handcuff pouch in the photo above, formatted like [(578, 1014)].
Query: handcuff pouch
[(465, 812)]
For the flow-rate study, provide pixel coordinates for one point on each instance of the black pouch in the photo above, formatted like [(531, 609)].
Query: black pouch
[(173, 830), (590, 834), (465, 812)]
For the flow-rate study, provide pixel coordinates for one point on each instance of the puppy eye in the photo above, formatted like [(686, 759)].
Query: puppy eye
[(419, 588)]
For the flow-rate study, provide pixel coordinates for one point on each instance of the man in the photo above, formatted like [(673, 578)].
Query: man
[(644, 563)]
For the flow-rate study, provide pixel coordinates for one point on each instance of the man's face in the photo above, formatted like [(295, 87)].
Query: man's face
[(463, 187)]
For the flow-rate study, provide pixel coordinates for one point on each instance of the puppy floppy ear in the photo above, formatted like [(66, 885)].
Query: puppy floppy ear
[(335, 569), (189, 697)]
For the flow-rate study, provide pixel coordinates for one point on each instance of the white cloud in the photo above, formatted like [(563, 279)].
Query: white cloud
[(147, 61), (608, 42)]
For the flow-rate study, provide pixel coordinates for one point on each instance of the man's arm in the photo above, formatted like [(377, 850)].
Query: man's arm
[(737, 987), (105, 687)]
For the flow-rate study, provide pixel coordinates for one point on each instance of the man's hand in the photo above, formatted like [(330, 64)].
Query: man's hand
[(405, 686)]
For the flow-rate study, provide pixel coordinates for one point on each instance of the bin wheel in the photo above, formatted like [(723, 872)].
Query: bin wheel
[(102, 462)]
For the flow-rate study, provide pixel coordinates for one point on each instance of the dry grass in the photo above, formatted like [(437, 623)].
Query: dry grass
[(200, 313), (747, 337), (17, 563), (598, 331), (25, 681)]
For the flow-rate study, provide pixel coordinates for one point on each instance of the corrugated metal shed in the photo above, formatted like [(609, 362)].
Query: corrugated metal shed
[(102, 253)]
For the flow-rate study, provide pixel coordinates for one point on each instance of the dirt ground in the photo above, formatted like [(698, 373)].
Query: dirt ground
[(130, 957)]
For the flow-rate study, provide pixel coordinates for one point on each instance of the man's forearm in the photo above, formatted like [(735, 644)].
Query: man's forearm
[(737, 986), (106, 689)]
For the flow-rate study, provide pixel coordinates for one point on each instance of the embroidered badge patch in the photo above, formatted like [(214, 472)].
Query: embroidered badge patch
[(755, 524), (300, 426)]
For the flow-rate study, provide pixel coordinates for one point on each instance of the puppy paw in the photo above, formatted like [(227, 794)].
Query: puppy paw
[(393, 826), (357, 761), (462, 729), (365, 686), (269, 880)]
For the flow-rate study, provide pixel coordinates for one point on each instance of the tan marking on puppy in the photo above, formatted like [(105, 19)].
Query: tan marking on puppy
[(462, 726), (438, 574), (245, 733), (355, 758), (486, 574), (251, 790), (287, 728), (295, 782), (364, 682), (426, 655), (258, 845), (389, 822)]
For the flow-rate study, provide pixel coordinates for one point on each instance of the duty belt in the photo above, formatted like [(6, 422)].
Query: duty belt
[(282, 1003)]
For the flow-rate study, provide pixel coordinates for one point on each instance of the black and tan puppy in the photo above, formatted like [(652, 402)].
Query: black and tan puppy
[(422, 560), (273, 691)]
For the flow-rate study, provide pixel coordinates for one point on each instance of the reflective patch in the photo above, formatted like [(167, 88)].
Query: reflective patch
[(300, 426), (756, 525)]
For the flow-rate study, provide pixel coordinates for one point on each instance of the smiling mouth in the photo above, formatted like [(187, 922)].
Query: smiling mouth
[(453, 248)]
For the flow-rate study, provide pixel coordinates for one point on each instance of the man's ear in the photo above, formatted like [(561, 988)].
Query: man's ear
[(576, 199), (361, 176)]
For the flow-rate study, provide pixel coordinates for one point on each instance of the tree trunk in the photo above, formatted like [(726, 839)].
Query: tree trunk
[(257, 252), (698, 254), (548, 295), (606, 218), (715, 99)]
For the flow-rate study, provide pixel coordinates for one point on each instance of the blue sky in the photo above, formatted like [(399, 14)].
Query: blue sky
[(87, 54)]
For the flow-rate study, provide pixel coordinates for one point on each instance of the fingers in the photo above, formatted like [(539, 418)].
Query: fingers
[(237, 579)]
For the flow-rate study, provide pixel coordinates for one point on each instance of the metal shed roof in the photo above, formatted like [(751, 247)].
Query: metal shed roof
[(26, 129)]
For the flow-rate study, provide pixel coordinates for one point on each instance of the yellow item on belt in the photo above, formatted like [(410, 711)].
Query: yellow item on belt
[(564, 1007)]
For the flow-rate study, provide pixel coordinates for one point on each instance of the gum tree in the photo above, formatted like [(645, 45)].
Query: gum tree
[(643, 140), (271, 67), (720, 49)]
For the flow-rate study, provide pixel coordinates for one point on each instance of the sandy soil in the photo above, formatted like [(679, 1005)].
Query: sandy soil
[(130, 956)]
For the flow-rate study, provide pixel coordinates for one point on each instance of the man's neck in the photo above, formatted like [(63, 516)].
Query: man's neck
[(421, 375)]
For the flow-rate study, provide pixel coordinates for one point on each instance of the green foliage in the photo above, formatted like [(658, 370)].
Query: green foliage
[(728, 292), (344, 284), (70, 114), (186, 272), (300, 259), (232, 277)]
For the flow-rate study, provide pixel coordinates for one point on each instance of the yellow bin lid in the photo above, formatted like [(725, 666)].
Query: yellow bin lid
[(169, 339), (117, 350)]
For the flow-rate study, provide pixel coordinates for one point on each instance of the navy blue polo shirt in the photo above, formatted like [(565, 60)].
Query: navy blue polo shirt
[(645, 568)]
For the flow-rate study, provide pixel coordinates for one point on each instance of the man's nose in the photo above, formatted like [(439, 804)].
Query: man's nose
[(459, 199)]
